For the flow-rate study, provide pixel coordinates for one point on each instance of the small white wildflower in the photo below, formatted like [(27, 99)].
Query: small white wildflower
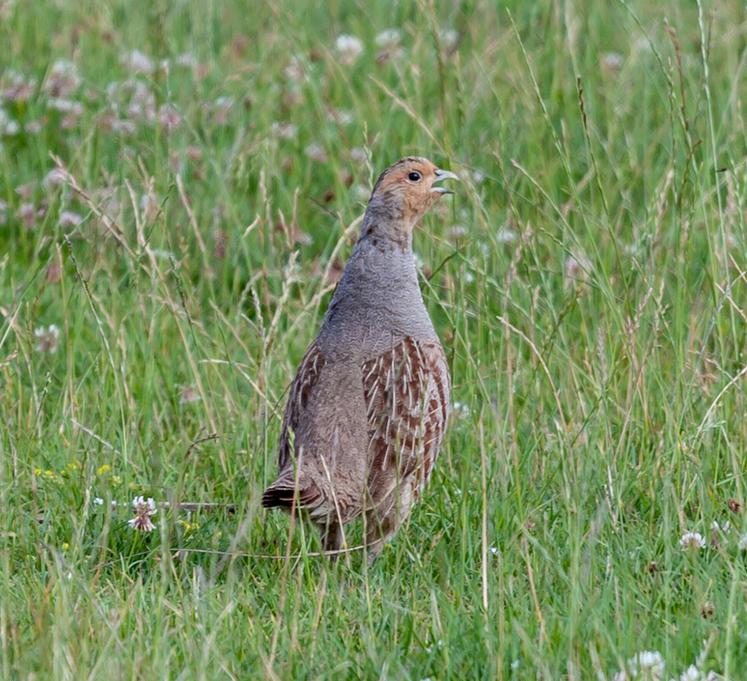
[(340, 116), (458, 232), (47, 339), (16, 87), (168, 117), (461, 410), (361, 192), (692, 673), (358, 154), (391, 37), (8, 126), (63, 79), (692, 541), (494, 550), (478, 176), (742, 545), (720, 528), (98, 501), (348, 48), (612, 61), (515, 665), (449, 39), (66, 106), (296, 70), (647, 666), (144, 510), (54, 178), (28, 214), (137, 62), (505, 236), (69, 219), (186, 59), (221, 108), (316, 152), (122, 127), (284, 131), (188, 395)]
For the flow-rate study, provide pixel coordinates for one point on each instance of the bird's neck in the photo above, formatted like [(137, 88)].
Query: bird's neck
[(385, 227)]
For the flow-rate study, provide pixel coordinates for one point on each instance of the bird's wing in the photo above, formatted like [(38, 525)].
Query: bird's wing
[(407, 393), (306, 378)]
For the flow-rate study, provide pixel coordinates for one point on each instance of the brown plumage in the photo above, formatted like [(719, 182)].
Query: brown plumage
[(368, 407)]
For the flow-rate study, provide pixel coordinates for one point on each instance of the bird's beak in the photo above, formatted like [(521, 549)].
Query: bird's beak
[(443, 175)]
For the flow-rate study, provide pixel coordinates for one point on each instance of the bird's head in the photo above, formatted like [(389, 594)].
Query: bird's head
[(406, 190)]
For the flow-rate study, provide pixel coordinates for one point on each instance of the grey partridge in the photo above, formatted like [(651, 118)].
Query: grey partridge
[(368, 407)]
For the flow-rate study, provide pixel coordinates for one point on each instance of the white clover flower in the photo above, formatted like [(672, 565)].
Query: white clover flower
[(316, 152), (692, 541), (137, 62), (186, 59), (693, 673), (69, 219), (188, 395), (460, 410), (8, 126), (54, 178), (391, 37), (296, 69), (144, 510), (361, 192), (449, 39), (478, 176), (168, 117), (16, 87), (47, 339), (647, 666), (612, 61), (98, 501), (358, 154), (348, 48), (284, 131), (65, 106), (505, 236), (63, 79)]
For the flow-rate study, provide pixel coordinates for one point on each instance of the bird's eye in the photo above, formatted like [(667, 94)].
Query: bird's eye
[(414, 176)]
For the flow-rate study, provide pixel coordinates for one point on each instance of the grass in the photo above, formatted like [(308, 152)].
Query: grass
[(588, 280)]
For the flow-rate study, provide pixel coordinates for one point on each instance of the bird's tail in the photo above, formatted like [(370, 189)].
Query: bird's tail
[(289, 492)]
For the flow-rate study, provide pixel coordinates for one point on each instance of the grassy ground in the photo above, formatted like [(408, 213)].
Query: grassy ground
[(588, 281)]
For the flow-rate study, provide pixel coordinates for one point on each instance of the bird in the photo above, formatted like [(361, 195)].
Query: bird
[(369, 404)]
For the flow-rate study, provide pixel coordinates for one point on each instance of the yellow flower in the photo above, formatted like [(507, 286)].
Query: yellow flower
[(188, 526), (37, 471), (103, 470), (65, 546)]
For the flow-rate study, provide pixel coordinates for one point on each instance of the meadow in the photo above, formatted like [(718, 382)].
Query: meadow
[(180, 185)]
